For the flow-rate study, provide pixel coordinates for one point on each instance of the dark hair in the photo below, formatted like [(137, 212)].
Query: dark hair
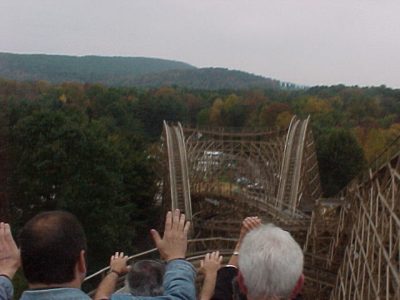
[(51, 243), (146, 278)]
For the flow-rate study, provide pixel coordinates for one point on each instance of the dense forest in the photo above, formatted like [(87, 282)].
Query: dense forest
[(88, 148), (127, 71)]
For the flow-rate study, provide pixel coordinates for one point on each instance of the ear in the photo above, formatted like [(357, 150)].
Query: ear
[(82, 262), (242, 286), (298, 287)]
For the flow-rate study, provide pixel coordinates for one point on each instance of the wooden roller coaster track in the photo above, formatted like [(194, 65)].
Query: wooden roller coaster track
[(178, 170)]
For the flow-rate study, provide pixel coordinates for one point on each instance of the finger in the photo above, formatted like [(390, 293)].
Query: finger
[(128, 268), (247, 220), (186, 229), (2, 231), (2, 242), (175, 219), (121, 254), (254, 220), (216, 255), (247, 224), (182, 222), (212, 255), (168, 222), (156, 237), (8, 236), (201, 263), (254, 223), (220, 259), (250, 223)]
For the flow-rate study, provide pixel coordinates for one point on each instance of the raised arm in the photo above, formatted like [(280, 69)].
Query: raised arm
[(118, 268), (248, 224), (179, 274), (209, 266), (173, 245), (223, 286), (9, 261)]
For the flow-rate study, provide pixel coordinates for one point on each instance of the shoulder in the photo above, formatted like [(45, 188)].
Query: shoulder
[(228, 271), (55, 294), (122, 296), (6, 288), (181, 264)]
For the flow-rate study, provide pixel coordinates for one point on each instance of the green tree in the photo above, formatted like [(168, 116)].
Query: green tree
[(153, 110), (270, 112), (340, 159), (66, 162), (233, 113)]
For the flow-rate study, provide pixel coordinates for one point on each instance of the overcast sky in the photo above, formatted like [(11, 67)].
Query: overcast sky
[(302, 41)]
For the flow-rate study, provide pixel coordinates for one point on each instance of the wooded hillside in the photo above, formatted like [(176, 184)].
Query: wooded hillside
[(126, 71)]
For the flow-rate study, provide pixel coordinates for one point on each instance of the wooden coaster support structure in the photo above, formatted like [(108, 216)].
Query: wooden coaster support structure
[(353, 243)]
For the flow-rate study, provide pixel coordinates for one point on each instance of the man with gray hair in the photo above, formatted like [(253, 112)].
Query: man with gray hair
[(270, 264), (145, 278)]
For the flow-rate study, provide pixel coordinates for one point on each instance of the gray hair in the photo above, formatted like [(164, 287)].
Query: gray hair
[(146, 278), (271, 262)]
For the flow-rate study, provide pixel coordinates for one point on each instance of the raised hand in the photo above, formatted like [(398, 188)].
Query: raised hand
[(173, 245), (248, 224), (10, 259), (118, 263), (209, 266), (211, 263)]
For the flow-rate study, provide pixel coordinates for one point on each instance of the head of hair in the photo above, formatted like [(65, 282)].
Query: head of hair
[(146, 278), (271, 262), (51, 243)]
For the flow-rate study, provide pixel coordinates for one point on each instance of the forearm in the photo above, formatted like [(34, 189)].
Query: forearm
[(207, 291), (179, 280), (234, 260), (106, 287)]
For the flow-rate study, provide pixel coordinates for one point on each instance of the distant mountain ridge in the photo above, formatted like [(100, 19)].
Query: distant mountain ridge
[(206, 78), (126, 71), (58, 68)]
